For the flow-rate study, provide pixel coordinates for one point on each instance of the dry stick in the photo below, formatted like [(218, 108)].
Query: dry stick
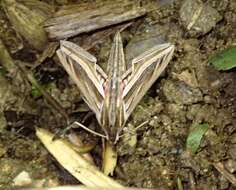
[(75, 163), (6, 60), (45, 94), (84, 188), (220, 168), (192, 181), (47, 53), (73, 22), (179, 184), (11, 91)]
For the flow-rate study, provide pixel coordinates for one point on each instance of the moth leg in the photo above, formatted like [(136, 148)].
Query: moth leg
[(61, 133), (132, 132), (78, 124)]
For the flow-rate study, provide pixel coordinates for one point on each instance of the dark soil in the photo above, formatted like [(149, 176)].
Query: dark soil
[(190, 92)]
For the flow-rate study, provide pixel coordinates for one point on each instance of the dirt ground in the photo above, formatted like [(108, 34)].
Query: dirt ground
[(188, 93)]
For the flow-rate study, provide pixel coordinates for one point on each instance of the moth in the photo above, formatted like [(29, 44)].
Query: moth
[(114, 93)]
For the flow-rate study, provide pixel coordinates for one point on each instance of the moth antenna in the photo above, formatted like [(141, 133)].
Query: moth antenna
[(89, 130)]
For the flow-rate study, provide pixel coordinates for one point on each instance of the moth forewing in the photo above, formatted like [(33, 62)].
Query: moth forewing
[(80, 67), (147, 68), (143, 61), (77, 50), (156, 51), (83, 59)]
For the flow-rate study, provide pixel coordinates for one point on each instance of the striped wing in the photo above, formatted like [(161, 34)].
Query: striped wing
[(145, 70), (87, 75)]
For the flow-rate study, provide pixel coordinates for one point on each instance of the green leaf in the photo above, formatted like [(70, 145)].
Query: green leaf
[(35, 92), (36, 89), (195, 136), (225, 59)]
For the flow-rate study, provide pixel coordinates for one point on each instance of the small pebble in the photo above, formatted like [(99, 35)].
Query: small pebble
[(22, 179), (231, 165)]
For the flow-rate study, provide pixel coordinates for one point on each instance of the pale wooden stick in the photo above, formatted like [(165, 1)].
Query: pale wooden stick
[(74, 163)]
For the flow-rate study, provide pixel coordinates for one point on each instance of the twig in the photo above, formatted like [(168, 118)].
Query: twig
[(47, 53), (220, 168), (75, 163), (56, 105), (6, 60)]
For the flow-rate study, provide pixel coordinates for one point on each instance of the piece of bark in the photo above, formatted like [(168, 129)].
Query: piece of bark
[(81, 18)]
